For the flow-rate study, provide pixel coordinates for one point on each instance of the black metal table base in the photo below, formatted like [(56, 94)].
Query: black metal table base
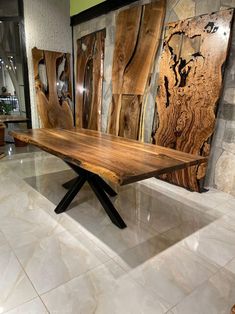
[(100, 188)]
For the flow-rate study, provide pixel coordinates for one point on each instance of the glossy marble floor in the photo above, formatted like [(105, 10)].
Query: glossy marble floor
[(176, 256)]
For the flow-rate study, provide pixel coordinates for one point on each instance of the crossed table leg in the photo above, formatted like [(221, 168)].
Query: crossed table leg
[(100, 188)]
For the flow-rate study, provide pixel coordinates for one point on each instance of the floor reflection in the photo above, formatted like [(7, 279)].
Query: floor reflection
[(155, 221), (10, 150), (178, 247)]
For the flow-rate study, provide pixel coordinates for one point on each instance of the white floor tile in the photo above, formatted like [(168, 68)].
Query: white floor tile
[(81, 263), (173, 274), (15, 287), (54, 260), (216, 296), (107, 289), (32, 307), (216, 242)]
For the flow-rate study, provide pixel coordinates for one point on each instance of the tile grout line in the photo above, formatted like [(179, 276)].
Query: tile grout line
[(76, 277), (26, 275), (194, 289), (61, 284), (112, 258)]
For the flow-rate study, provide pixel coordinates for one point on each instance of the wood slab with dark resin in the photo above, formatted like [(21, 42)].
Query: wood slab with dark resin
[(53, 88), (89, 79), (116, 159), (190, 83), (138, 31)]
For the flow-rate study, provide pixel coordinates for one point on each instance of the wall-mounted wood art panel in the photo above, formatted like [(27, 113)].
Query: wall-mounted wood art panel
[(138, 31), (190, 83), (53, 88), (89, 78)]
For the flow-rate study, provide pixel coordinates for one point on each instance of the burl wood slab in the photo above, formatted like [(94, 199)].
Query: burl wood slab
[(190, 83), (53, 104), (233, 310), (90, 63), (138, 31), (117, 159)]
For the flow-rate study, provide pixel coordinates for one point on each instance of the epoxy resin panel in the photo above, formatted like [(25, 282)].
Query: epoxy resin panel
[(190, 83), (53, 88), (89, 78)]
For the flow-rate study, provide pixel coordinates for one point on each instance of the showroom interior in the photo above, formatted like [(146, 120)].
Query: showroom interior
[(117, 156)]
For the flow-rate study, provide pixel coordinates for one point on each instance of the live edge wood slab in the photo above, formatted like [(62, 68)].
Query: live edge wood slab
[(119, 160), (190, 84)]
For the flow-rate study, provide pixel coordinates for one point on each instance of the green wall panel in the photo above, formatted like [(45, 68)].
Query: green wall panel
[(77, 6)]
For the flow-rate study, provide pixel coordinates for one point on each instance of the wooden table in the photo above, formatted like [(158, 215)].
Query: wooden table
[(93, 155), (13, 119)]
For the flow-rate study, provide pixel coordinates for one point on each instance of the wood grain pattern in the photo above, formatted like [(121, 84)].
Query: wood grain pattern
[(138, 69), (130, 116), (138, 31), (53, 106), (190, 83), (117, 159), (233, 310), (127, 29), (89, 78)]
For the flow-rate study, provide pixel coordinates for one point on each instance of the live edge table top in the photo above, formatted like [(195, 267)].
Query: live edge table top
[(114, 158)]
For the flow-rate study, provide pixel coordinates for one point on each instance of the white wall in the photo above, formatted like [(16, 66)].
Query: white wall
[(47, 26)]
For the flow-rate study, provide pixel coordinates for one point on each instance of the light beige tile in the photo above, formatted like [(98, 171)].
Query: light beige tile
[(120, 240), (215, 242), (228, 220), (227, 207), (94, 221), (197, 202), (24, 155), (71, 263), (231, 266), (107, 289), (173, 274), (166, 214), (213, 198), (91, 246), (23, 219), (215, 296), (141, 253), (54, 260), (32, 307), (4, 246), (15, 287), (187, 228), (51, 185)]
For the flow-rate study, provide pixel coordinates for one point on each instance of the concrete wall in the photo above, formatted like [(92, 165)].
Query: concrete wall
[(221, 170), (47, 26)]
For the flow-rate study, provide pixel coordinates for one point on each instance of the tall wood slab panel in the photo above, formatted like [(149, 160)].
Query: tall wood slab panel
[(53, 88), (138, 31), (190, 83), (89, 78)]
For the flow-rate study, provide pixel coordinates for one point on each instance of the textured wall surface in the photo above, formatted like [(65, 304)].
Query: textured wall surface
[(47, 27), (221, 170)]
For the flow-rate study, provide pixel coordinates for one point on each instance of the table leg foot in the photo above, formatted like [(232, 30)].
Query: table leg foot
[(106, 203), (69, 196)]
